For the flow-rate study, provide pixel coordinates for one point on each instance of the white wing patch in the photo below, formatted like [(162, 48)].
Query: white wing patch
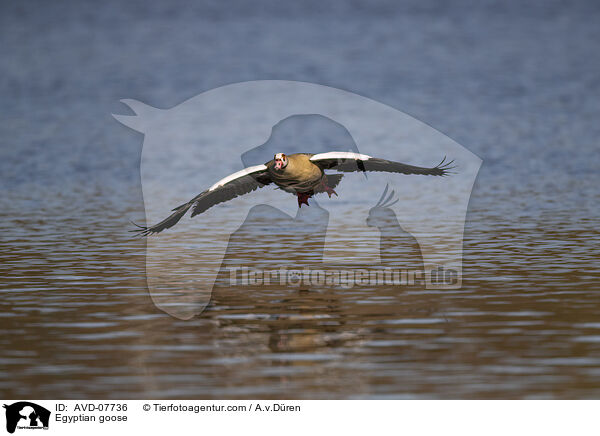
[(237, 175), (340, 155)]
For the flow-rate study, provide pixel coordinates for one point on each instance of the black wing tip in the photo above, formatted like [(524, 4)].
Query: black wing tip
[(444, 168), (142, 231)]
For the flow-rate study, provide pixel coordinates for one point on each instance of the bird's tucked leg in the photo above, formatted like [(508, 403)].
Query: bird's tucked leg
[(326, 187), (303, 198)]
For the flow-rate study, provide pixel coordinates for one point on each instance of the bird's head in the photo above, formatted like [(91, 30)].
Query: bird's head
[(280, 161)]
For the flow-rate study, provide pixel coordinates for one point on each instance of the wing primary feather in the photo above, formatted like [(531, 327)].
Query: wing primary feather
[(232, 186), (167, 223), (351, 162)]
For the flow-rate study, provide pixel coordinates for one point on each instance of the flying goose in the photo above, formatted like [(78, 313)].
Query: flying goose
[(302, 174)]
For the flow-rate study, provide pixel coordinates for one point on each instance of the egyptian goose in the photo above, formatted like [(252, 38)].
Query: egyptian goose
[(302, 174)]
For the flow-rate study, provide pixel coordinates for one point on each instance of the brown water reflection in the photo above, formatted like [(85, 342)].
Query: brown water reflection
[(77, 322)]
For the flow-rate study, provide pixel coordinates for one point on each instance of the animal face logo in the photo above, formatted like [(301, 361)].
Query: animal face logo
[(191, 146), (26, 415)]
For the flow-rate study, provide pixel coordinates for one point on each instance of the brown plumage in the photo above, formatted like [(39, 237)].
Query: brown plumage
[(302, 174)]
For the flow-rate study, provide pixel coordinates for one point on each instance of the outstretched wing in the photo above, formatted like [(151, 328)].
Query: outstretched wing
[(234, 185), (348, 162)]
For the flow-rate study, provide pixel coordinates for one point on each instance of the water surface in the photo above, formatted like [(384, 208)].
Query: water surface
[(516, 84)]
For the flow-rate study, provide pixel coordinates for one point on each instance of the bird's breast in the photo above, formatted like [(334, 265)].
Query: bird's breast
[(298, 177)]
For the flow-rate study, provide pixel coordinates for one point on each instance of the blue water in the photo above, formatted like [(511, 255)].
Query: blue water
[(516, 83)]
